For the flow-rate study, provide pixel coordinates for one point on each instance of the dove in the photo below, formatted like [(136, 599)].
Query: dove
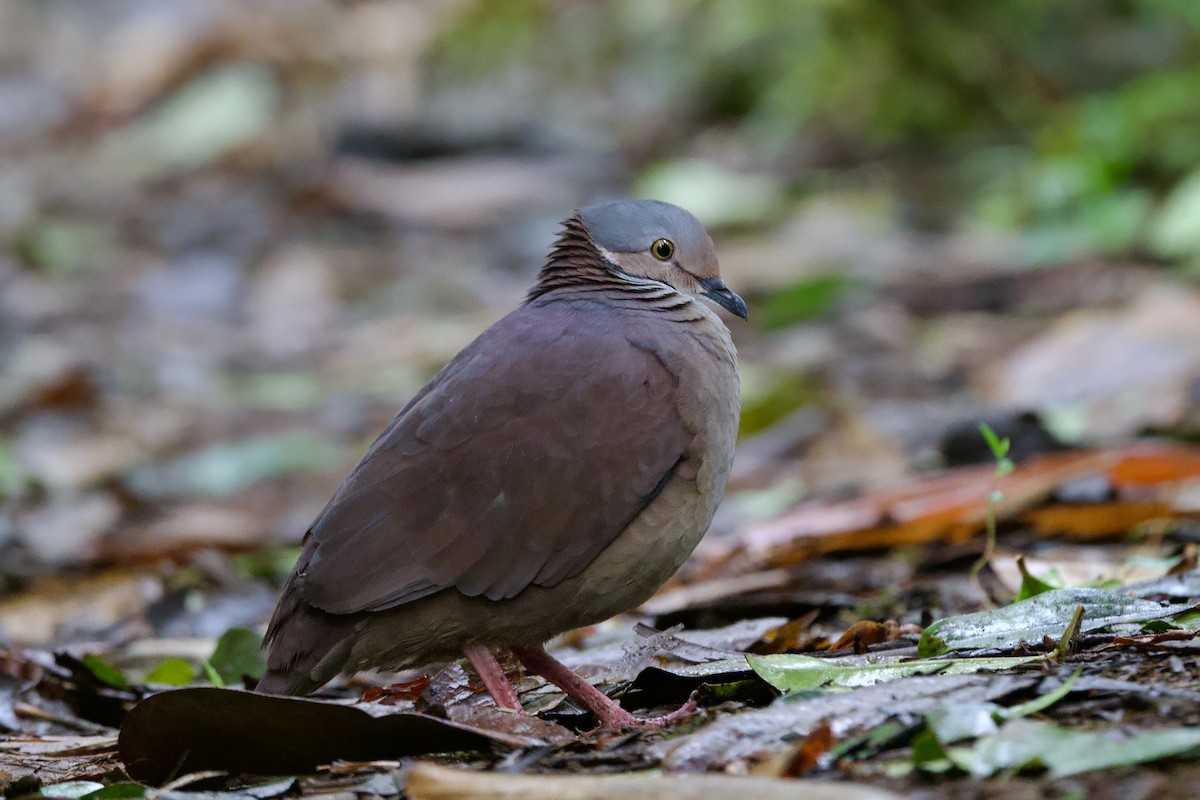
[(554, 474)]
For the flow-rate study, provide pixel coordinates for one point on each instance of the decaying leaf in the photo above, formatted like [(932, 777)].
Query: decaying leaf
[(429, 782), (1026, 743), (791, 673), (1045, 615), (200, 729)]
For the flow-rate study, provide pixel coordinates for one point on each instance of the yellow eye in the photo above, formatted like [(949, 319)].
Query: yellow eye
[(663, 249)]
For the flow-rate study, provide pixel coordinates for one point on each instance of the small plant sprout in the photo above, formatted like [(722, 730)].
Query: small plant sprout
[(1004, 465)]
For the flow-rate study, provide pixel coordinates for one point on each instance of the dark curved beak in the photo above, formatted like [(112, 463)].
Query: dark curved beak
[(716, 290)]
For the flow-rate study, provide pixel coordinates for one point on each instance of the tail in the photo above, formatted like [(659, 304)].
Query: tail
[(307, 646)]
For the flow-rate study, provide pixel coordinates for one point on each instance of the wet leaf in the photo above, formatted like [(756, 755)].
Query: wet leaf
[(72, 789), (962, 721), (793, 673), (753, 734), (1024, 743), (1031, 620)]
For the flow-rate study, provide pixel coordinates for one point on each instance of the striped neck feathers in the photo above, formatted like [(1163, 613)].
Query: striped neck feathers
[(576, 261)]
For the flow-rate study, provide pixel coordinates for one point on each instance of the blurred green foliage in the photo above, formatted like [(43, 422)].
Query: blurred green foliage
[(103, 671), (238, 654), (173, 671), (763, 406), (802, 301), (1074, 120)]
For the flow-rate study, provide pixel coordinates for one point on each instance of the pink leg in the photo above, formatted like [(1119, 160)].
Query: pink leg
[(489, 669), (610, 715)]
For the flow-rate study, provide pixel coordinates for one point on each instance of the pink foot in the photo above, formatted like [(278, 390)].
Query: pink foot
[(484, 661), (683, 712), (608, 713)]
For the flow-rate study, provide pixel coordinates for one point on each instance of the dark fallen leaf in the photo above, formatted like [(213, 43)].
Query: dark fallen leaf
[(393, 694), (500, 720), (117, 791), (1167, 641), (200, 729)]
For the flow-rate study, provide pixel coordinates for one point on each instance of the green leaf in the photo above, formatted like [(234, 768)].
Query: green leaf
[(213, 676), (117, 791), (964, 721), (273, 563), (220, 111), (717, 196), (999, 448), (238, 654), (104, 671), (928, 755), (1062, 751), (172, 671), (1175, 231), (802, 301), (791, 673), (1039, 704), (1032, 585), (957, 723), (1030, 620)]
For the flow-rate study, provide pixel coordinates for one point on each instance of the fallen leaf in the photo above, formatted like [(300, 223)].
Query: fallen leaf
[(429, 782), (199, 729), (57, 758), (865, 633), (1094, 520), (1046, 615), (809, 753), (1025, 743), (757, 733), (793, 673)]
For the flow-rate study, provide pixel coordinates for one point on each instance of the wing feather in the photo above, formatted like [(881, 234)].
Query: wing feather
[(522, 460)]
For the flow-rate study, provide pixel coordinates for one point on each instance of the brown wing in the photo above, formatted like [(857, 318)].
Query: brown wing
[(516, 465)]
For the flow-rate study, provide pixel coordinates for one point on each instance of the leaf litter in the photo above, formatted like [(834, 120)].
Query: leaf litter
[(154, 435)]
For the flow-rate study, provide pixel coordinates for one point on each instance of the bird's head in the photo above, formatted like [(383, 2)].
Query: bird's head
[(648, 240)]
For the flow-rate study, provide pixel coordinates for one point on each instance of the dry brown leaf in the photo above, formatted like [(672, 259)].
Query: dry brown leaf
[(1093, 520), (806, 756), (429, 782), (865, 633)]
